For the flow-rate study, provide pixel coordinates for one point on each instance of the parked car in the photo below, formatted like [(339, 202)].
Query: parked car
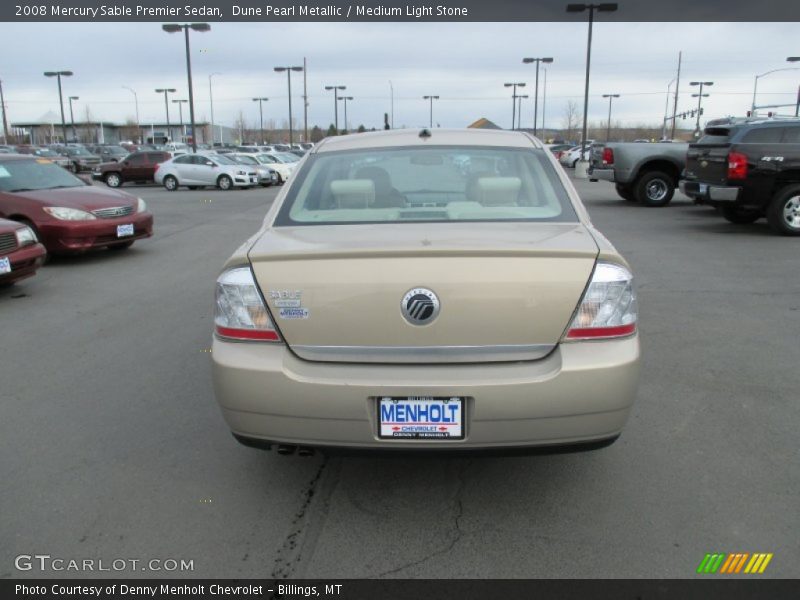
[(196, 171), (749, 169), (557, 149), (21, 254), (570, 158), (266, 175), (110, 153), (281, 167), (643, 173), (138, 167), (47, 153), (80, 157), (401, 305)]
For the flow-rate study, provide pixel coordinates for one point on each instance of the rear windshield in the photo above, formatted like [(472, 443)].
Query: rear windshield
[(426, 184), (716, 135)]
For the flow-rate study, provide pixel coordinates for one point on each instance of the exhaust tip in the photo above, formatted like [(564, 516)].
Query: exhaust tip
[(285, 449), (303, 451)]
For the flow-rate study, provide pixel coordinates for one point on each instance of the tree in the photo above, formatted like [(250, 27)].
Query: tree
[(316, 134), (571, 121), (331, 131), (361, 129)]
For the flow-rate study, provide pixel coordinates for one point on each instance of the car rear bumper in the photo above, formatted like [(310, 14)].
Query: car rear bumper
[(79, 236), (710, 193), (581, 392), (604, 174), (25, 262)]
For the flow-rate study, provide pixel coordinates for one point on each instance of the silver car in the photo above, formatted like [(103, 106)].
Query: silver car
[(196, 171), (266, 175)]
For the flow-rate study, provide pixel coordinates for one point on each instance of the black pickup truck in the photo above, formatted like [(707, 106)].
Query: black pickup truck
[(749, 169)]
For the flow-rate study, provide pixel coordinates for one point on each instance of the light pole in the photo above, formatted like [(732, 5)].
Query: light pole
[(391, 105), (528, 61), (519, 110), (138, 124), (59, 75), (175, 28), (431, 98), (180, 104), (608, 126), (211, 101), (792, 59), (755, 84), (261, 114), (336, 89), (699, 97), (605, 7), (289, 81), (5, 116), (345, 98), (514, 101), (544, 102), (166, 91), (666, 111), (72, 118)]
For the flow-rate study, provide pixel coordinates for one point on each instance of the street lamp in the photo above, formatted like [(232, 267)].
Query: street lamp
[(666, 109), (180, 104), (138, 124), (261, 114), (59, 75), (211, 101), (699, 97), (175, 28), (576, 8), (514, 101), (608, 127), (544, 102), (528, 61), (345, 98), (289, 81), (336, 89), (431, 98), (72, 118), (755, 84), (519, 110), (797, 104), (166, 91)]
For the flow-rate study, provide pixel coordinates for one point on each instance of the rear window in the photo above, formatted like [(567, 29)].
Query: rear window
[(433, 184), (716, 135)]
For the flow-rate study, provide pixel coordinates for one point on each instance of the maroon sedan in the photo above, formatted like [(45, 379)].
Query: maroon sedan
[(67, 214), (21, 254)]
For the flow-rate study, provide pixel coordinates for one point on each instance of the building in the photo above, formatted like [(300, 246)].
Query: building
[(105, 132)]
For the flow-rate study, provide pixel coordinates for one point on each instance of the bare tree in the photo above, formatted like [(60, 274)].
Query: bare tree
[(572, 121)]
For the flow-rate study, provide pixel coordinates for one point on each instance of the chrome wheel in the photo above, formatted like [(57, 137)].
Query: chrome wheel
[(657, 190), (170, 183), (113, 180), (791, 213)]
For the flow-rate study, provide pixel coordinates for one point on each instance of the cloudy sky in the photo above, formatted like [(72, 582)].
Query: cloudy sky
[(465, 64)]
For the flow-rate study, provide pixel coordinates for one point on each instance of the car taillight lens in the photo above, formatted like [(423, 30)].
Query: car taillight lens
[(608, 308), (608, 156), (737, 165), (240, 312)]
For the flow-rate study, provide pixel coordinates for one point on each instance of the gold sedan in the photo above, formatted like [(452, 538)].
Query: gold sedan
[(427, 290)]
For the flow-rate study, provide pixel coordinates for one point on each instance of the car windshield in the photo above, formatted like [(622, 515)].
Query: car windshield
[(46, 152), (427, 184), (39, 174), (78, 152), (246, 160), (225, 160), (266, 159), (286, 157)]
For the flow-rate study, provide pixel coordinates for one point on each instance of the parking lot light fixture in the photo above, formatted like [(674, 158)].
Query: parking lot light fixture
[(757, 77), (211, 101), (180, 104), (72, 118), (520, 98), (59, 75), (608, 126), (175, 28), (289, 82), (345, 98), (528, 61), (576, 8), (166, 91), (514, 102), (261, 115), (431, 98), (336, 89), (700, 95)]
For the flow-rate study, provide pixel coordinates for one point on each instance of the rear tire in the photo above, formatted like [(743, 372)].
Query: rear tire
[(739, 215), (654, 189), (113, 180), (170, 183), (783, 214), (625, 192)]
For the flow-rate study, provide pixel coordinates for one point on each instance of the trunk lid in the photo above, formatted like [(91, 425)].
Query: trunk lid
[(507, 291), (707, 160)]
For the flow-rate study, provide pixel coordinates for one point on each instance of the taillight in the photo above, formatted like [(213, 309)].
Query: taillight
[(608, 308), (737, 165), (608, 156), (240, 312)]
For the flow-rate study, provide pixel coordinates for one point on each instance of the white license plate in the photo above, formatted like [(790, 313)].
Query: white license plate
[(5, 265), (421, 417), (703, 188), (124, 230)]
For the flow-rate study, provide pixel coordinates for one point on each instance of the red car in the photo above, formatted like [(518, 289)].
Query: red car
[(67, 214), (21, 254)]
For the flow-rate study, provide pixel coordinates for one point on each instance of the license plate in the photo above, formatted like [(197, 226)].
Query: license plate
[(703, 188), (5, 265), (123, 230), (421, 417)]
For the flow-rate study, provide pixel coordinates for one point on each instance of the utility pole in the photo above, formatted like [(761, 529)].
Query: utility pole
[(675, 105), (5, 118), (305, 100)]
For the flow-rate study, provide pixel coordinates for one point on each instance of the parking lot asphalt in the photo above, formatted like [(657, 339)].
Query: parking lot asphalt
[(112, 446)]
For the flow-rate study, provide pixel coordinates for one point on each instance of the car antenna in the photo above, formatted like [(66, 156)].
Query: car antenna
[(425, 133)]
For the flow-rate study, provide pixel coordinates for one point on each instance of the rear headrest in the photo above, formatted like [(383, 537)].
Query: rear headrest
[(353, 193), (498, 191)]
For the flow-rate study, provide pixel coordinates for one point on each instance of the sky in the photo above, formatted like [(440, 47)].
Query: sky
[(466, 64)]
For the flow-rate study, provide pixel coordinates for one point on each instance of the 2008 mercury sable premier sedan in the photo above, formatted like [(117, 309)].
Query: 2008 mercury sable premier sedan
[(427, 290)]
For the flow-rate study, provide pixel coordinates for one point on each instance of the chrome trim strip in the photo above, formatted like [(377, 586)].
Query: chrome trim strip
[(423, 354)]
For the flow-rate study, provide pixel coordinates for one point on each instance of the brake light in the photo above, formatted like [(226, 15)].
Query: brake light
[(608, 156), (737, 165), (240, 313), (608, 308)]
